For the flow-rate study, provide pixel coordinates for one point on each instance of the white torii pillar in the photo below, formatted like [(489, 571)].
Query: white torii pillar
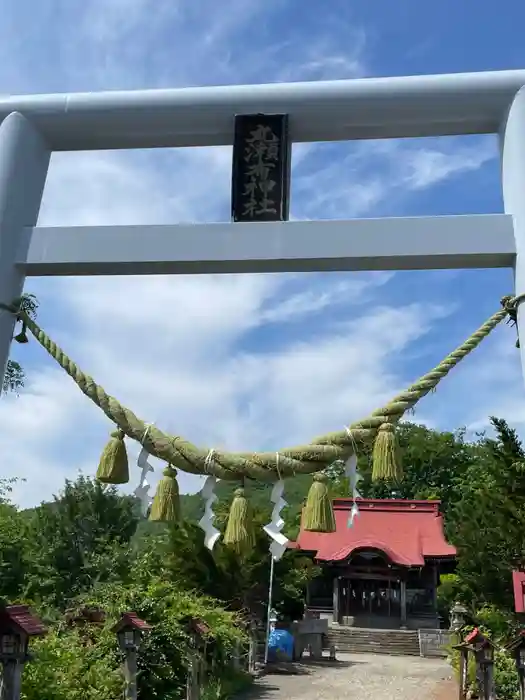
[(31, 127), (513, 181)]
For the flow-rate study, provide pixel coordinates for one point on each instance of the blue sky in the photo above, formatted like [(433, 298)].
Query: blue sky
[(255, 362)]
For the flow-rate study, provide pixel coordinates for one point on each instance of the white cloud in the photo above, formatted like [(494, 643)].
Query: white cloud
[(248, 362)]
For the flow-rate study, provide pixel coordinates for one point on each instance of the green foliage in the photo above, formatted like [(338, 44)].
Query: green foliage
[(488, 518), (505, 677), (14, 377), (164, 657), (450, 591), (13, 565), (78, 540), (66, 667), (227, 687), (500, 624)]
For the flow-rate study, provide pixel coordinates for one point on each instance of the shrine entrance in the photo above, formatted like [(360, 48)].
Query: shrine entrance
[(371, 592), (370, 597)]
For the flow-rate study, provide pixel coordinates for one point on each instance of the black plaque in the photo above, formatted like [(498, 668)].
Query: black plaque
[(261, 168)]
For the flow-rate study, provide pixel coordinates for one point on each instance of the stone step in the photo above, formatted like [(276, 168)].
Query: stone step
[(359, 640)]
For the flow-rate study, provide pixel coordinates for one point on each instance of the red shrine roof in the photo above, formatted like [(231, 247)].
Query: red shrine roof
[(20, 616), (407, 532), (131, 619)]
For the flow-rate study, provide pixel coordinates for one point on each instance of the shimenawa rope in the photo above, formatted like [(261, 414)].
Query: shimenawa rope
[(303, 459)]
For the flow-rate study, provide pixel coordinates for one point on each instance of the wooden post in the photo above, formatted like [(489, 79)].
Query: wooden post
[(463, 674), (336, 601), (521, 676), (485, 676), (192, 686), (488, 681), (403, 595), (435, 589), (252, 654), (237, 657), (11, 680), (130, 674)]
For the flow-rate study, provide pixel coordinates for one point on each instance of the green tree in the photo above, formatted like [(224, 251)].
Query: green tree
[(241, 583), (13, 538), (488, 520), (79, 539), (434, 464)]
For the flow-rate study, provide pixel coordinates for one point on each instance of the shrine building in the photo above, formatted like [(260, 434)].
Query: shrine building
[(383, 570)]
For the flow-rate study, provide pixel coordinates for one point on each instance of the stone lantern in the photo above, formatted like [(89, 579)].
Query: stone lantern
[(458, 616), (483, 650), (198, 632), (17, 627)]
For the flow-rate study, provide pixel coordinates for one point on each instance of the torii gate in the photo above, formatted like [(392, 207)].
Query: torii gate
[(440, 105)]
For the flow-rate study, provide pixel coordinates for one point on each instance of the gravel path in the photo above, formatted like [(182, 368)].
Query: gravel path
[(359, 677)]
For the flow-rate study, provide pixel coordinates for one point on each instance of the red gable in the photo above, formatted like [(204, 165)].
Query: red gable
[(518, 583), (405, 531)]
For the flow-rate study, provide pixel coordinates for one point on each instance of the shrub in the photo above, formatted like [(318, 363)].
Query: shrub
[(65, 667)]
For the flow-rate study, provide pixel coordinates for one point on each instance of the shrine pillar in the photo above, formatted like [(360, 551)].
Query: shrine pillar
[(336, 595), (403, 601), (512, 138), (24, 160)]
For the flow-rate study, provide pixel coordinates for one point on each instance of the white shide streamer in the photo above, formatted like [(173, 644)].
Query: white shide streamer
[(206, 523), (142, 490), (273, 529), (353, 477)]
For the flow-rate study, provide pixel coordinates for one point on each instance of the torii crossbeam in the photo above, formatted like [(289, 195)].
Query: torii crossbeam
[(32, 127)]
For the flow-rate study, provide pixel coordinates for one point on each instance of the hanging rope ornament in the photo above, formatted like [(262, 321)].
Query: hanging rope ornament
[(386, 457), (113, 466), (166, 507), (353, 477), (303, 459), (206, 523), (274, 527), (142, 490), (318, 514), (240, 533)]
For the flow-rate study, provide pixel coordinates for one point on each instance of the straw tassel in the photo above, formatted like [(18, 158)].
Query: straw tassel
[(113, 465), (318, 513), (239, 534), (166, 507), (386, 458)]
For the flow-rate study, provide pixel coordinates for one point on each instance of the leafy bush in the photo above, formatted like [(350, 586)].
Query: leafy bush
[(500, 624), (66, 667), (164, 656), (505, 677)]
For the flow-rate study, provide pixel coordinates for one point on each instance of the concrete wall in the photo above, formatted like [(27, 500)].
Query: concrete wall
[(434, 642)]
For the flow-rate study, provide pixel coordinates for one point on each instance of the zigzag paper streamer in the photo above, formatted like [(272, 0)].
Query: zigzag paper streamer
[(354, 478), (211, 534), (353, 515), (273, 529), (142, 490)]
